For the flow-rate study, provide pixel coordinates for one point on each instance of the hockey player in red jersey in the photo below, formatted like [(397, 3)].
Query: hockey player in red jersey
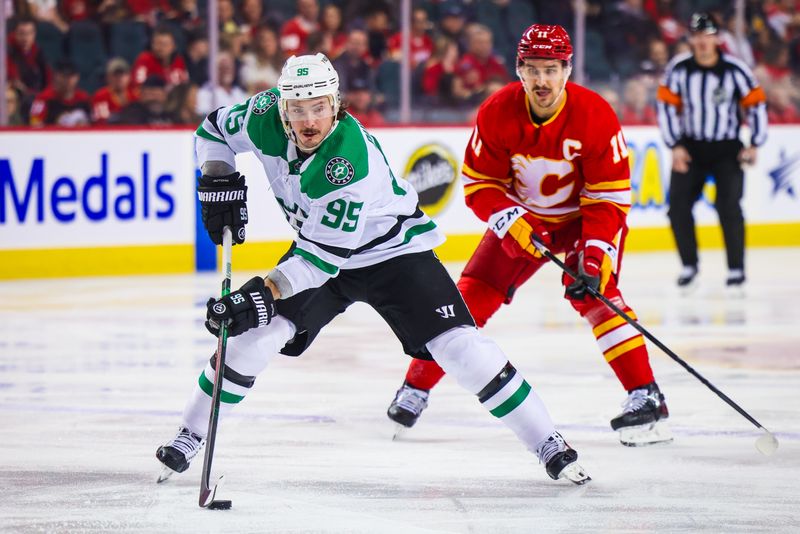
[(547, 158)]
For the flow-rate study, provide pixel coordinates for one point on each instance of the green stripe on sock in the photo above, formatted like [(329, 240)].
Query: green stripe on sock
[(208, 387), (513, 401)]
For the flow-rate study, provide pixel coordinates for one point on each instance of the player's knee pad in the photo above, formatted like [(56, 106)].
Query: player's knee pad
[(472, 359), (249, 353), (482, 299)]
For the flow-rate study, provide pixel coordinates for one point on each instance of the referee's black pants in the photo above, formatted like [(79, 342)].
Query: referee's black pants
[(720, 160)]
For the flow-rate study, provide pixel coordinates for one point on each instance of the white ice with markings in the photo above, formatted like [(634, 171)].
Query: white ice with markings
[(94, 374)]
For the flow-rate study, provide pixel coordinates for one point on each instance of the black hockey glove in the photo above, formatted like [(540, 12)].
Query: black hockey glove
[(589, 275), (246, 308), (223, 202)]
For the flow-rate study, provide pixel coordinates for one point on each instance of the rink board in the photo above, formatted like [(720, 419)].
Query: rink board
[(85, 203)]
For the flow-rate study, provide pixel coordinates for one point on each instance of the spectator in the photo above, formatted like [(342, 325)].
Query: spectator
[(376, 23), (351, 64), (670, 28), (116, 94), (13, 109), (295, 32), (251, 17), (318, 42), (76, 10), (181, 104), (358, 97), (261, 67), (28, 71), (162, 60), (226, 13), (628, 29), (477, 66), (421, 43), (780, 109), (331, 26), (47, 11), (187, 15), (62, 103), (197, 57), (730, 44), (148, 11), (226, 93), (636, 108), (150, 109), (775, 71), (452, 24), (439, 70), (612, 97)]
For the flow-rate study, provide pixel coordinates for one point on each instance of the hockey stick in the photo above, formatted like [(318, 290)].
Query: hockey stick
[(766, 444), (207, 493)]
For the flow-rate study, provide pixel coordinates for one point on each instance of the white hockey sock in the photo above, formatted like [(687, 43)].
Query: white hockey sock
[(246, 356), (478, 365)]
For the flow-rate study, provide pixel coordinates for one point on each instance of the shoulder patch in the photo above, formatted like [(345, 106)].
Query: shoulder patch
[(339, 171), (264, 101)]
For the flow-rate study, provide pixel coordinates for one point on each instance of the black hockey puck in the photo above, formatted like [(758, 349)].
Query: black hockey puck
[(220, 505)]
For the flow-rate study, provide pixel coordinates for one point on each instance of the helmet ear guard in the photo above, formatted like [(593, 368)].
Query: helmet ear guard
[(303, 78)]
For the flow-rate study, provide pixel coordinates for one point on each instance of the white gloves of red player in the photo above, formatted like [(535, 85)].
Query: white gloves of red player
[(516, 226)]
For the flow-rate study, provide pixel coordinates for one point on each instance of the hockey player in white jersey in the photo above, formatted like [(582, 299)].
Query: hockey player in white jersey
[(360, 237)]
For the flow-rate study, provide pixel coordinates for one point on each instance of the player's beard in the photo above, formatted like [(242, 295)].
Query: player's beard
[(306, 137)]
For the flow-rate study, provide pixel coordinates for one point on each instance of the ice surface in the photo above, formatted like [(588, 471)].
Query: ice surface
[(94, 373)]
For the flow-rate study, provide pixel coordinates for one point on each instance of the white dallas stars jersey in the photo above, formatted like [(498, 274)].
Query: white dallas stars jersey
[(344, 202)]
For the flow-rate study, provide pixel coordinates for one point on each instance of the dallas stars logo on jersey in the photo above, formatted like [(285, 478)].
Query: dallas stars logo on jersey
[(264, 101), (339, 171)]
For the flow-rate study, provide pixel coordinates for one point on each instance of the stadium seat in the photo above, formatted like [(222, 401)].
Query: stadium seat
[(128, 39), (388, 82), (50, 39), (595, 62), (87, 50)]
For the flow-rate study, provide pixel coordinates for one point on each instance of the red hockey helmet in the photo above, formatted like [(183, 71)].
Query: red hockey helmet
[(544, 41)]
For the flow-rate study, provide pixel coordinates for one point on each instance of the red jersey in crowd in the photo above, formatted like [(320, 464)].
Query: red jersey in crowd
[(421, 47), (294, 35), (49, 108), (105, 103), (572, 165), (490, 68), (147, 64)]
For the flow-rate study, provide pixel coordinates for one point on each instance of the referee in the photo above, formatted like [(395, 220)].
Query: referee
[(701, 104)]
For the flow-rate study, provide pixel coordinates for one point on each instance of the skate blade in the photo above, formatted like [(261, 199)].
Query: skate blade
[(399, 431), (575, 474), (644, 435), (166, 472)]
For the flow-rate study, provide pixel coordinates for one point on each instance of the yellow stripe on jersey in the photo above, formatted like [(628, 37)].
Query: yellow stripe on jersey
[(619, 350), (471, 188), (472, 173), (612, 323), (608, 186)]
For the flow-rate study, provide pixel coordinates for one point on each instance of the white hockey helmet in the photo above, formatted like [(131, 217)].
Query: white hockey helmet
[(305, 77)]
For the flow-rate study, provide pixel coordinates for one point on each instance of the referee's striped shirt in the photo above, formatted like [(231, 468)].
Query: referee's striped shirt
[(710, 103)]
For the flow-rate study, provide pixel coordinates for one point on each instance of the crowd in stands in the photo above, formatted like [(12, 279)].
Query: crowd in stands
[(145, 62)]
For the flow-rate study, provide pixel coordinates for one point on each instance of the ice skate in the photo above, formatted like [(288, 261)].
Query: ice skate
[(687, 280), (735, 283), (178, 453), (560, 460), (406, 407), (643, 418)]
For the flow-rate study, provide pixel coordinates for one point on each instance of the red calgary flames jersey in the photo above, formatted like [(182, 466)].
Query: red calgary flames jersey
[(573, 165)]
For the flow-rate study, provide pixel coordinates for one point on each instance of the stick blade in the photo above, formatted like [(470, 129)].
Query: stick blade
[(767, 444), (207, 494)]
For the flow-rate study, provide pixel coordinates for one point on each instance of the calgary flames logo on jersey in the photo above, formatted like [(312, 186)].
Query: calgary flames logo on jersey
[(541, 181)]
